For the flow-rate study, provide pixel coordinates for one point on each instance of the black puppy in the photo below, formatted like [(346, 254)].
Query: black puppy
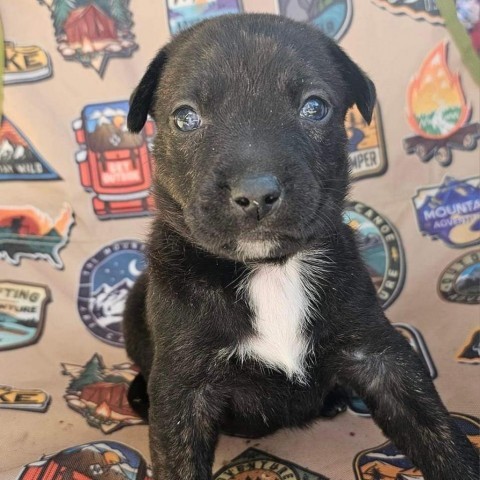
[(256, 306)]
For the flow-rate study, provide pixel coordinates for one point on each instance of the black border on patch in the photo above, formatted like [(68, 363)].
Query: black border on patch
[(257, 454), (444, 295), (402, 264)]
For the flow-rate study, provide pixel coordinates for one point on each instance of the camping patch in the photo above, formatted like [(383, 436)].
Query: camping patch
[(25, 63), (18, 158), (96, 460), (185, 13), (99, 393), (92, 32), (450, 211), (460, 281), (438, 112), (381, 249), (416, 9), (26, 231), (470, 351), (254, 464), (366, 147), (332, 17), (22, 313), (105, 282), (416, 341), (33, 400), (114, 164), (386, 462)]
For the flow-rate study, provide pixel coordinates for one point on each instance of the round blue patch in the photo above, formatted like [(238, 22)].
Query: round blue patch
[(105, 281)]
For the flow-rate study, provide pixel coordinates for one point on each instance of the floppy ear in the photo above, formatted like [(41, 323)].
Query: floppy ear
[(142, 98), (361, 88)]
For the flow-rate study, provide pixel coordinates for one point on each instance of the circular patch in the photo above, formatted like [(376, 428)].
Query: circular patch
[(257, 470), (381, 249), (332, 17), (460, 281), (96, 460), (105, 281)]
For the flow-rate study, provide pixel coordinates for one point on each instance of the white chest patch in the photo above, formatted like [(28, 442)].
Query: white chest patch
[(280, 297)]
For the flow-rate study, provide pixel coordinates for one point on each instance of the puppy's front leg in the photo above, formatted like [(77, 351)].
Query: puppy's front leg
[(184, 423), (383, 369)]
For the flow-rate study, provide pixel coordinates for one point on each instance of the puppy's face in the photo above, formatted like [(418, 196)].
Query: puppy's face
[(251, 146)]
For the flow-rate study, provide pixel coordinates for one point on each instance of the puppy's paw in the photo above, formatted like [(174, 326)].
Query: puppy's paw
[(138, 397), (335, 402)]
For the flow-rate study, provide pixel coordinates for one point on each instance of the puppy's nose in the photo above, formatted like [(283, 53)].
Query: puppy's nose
[(257, 196)]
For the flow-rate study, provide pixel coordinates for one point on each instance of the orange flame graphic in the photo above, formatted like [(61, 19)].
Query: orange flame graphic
[(103, 410), (436, 106)]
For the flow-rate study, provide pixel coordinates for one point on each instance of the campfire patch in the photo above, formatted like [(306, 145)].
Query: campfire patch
[(381, 249), (254, 464), (25, 63), (92, 32), (438, 112), (470, 351), (460, 281), (332, 17), (99, 393), (33, 400), (26, 231), (114, 164), (366, 147), (416, 341), (96, 460), (450, 211), (185, 13), (105, 281), (22, 313), (416, 9), (18, 159), (386, 462)]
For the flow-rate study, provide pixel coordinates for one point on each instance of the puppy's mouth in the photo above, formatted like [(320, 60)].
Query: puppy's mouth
[(256, 249)]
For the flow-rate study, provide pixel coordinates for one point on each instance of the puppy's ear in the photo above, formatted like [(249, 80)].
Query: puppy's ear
[(142, 98), (361, 89)]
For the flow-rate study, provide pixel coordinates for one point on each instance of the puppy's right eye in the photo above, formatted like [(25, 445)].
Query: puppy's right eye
[(315, 109), (186, 119)]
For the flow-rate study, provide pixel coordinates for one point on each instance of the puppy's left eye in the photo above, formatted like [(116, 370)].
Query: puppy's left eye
[(186, 119), (314, 108)]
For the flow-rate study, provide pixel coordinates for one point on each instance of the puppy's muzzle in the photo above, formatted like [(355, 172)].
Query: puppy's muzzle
[(256, 196)]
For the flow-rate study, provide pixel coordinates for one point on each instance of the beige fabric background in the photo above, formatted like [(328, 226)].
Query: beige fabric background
[(391, 49)]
